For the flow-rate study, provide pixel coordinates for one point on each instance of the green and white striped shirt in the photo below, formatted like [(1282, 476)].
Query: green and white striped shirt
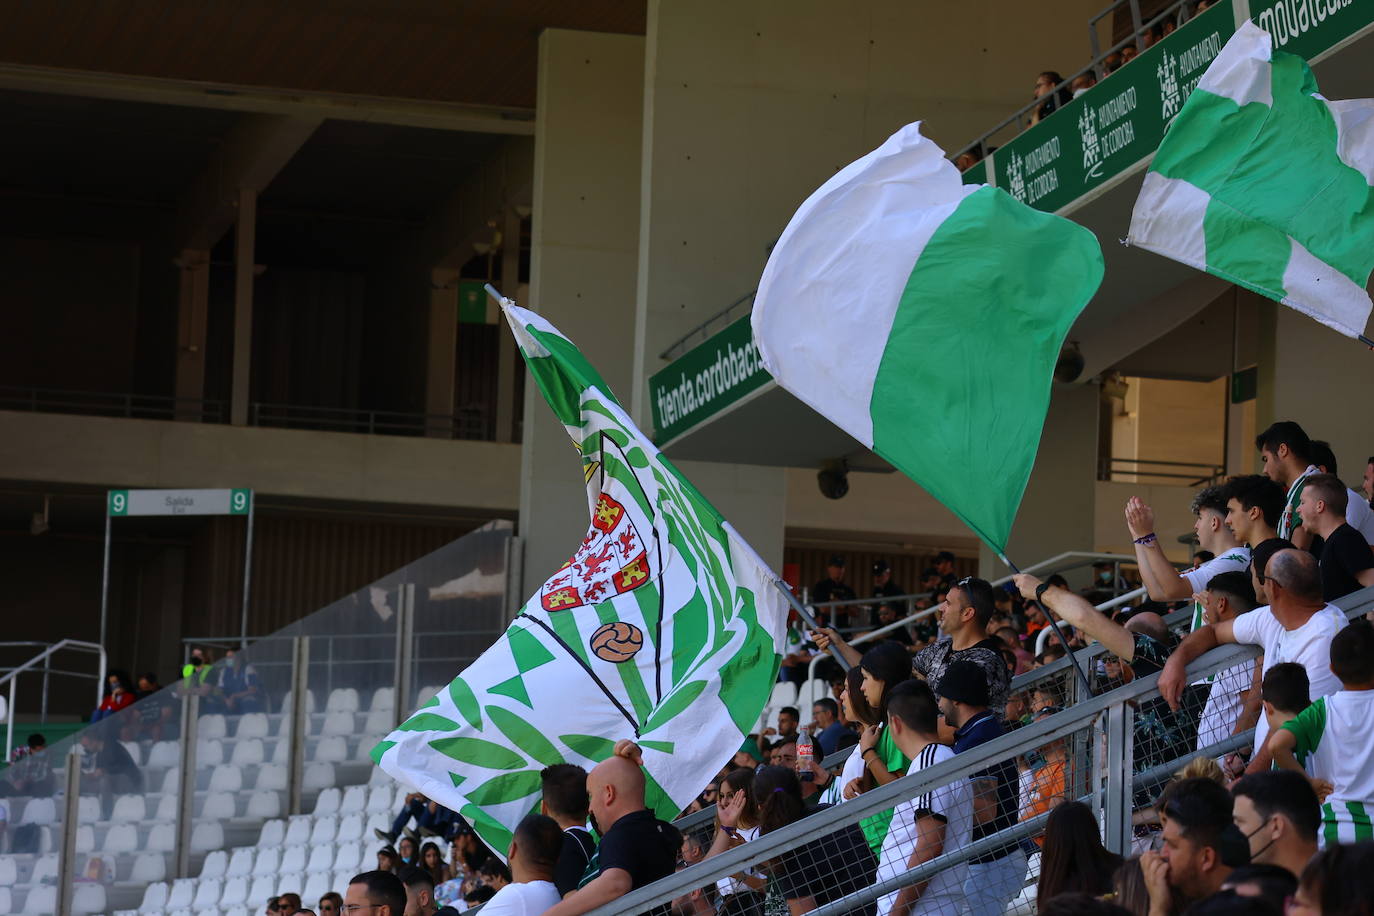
[(1335, 743)]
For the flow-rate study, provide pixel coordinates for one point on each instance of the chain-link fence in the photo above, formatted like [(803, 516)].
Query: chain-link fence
[(968, 828)]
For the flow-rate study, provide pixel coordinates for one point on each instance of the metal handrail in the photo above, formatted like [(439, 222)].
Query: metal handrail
[(12, 675), (106, 403), (683, 343), (1212, 471), (882, 798)]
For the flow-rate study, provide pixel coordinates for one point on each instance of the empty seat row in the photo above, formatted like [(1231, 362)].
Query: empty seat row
[(223, 895), (303, 829), (385, 798)]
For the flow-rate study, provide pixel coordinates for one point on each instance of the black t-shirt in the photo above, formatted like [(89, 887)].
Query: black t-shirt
[(932, 661), (114, 760), (1344, 557), (577, 852), (639, 843), (828, 868), (830, 590)]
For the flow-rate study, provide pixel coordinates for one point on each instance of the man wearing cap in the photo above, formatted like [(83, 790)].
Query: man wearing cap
[(883, 587), (995, 877), (944, 566), (833, 588)]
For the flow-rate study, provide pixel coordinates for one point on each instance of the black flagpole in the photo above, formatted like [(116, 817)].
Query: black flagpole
[(1073, 660)]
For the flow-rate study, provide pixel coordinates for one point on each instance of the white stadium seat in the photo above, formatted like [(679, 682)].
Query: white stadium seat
[(41, 811), (85, 838), (41, 900), (166, 808), (235, 892), (321, 859), (248, 752), (182, 893), (379, 722), (327, 802), (171, 780), (350, 829), (162, 754), (207, 836), (240, 863), (9, 871), (129, 809), (318, 776), (88, 898), (263, 805), (263, 886), (354, 800), (425, 694), (292, 859), (298, 829), (382, 800), (784, 694), (273, 832), (324, 830), (135, 752), (331, 749), (162, 838), (271, 777), (338, 723), (342, 699), (148, 867), (154, 898), (268, 862), (349, 857), (45, 869), (88, 809), (209, 752), (286, 701), (281, 754), (212, 726), (316, 885), (252, 725), (121, 838), (215, 864), (207, 893), (226, 778), (383, 700), (219, 806)]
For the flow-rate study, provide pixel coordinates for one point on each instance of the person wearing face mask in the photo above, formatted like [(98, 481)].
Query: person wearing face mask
[(1279, 814), (117, 697)]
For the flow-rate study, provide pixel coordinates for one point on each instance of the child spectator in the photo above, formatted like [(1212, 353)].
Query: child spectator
[(1332, 740), (1284, 693)]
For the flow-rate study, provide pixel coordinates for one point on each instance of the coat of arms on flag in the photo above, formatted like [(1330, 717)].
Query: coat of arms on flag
[(663, 626)]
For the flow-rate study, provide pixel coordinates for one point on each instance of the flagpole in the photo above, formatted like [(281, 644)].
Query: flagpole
[(810, 621), (1068, 649)]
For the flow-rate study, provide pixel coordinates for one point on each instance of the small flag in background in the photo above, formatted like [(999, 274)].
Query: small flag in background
[(664, 626), (1262, 182), (924, 317)]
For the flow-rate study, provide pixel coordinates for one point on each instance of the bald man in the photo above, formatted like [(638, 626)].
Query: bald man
[(1297, 626), (636, 848)]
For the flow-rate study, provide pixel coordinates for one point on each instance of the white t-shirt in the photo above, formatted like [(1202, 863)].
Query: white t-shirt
[(1359, 516), (853, 768), (1309, 645), (944, 895), (1233, 559), (1335, 743), (1224, 704), (530, 898), (732, 885)]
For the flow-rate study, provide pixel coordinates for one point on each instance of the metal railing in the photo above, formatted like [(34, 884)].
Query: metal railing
[(1113, 776), (470, 423), (1192, 473), (12, 676), (108, 404), (701, 332), (1178, 12)]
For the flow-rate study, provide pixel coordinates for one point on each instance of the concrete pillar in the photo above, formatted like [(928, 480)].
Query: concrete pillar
[(245, 232), (192, 304), (1057, 511), (442, 357), (585, 251)]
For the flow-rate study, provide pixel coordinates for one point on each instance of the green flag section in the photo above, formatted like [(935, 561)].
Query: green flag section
[(924, 317), (1262, 182), (663, 626)]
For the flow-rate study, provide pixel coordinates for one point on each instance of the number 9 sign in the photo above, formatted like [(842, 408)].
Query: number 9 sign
[(119, 502), (238, 501)]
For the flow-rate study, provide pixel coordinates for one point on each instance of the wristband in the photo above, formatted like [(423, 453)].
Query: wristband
[(1040, 591), (729, 831), (1146, 540), (867, 751)]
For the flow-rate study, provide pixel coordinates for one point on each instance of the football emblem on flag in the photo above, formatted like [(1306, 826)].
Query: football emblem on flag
[(616, 642)]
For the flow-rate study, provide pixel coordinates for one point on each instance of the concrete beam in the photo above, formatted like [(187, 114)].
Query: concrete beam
[(473, 211), (257, 148), (296, 103)]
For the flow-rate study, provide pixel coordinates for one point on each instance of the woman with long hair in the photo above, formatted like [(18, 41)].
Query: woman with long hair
[(737, 822), (1074, 857), (855, 709), (883, 667), (849, 863), (432, 861)]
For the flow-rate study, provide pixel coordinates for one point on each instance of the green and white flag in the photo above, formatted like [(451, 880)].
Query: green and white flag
[(924, 316), (1262, 182), (664, 626)]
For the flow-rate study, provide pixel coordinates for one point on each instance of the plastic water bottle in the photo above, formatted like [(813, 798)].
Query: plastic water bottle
[(806, 755)]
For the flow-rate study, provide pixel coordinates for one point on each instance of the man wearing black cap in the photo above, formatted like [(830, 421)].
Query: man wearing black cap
[(833, 588), (995, 877), (944, 566), (883, 587)]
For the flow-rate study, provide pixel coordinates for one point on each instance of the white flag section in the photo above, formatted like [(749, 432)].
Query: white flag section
[(664, 626), (1262, 182)]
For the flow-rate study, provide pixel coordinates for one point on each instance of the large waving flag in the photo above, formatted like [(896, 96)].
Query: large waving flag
[(662, 627), (924, 317), (1262, 182)]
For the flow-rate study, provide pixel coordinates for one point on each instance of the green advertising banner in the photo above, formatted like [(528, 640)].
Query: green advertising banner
[(1116, 123), (1309, 27), (977, 173), (705, 380)]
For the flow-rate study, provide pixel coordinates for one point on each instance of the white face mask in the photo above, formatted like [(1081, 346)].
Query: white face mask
[(1078, 92)]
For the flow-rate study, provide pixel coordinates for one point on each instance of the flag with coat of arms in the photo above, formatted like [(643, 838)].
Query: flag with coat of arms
[(664, 626)]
